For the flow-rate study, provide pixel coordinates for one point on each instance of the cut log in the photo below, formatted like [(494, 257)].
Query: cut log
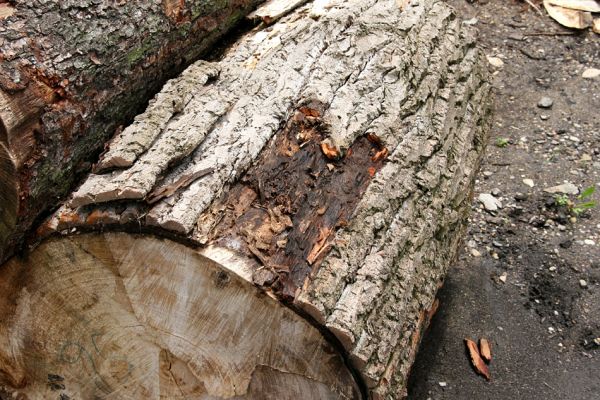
[(72, 72), (321, 173)]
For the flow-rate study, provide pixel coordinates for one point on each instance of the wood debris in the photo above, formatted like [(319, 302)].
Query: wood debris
[(480, 367), (485, 350)]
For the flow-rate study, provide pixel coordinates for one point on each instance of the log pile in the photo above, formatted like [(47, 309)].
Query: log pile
[(275, 225)]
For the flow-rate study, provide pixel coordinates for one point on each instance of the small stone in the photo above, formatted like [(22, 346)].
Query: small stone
[(496, 192), (545, 102), (589, 242), (490, 203), (528, 182), (496, 62), (583, 283), (520, 196), (552, 269), (487, 173), (544, 117), (495, 256), (443, 384), (497, 244), (565, 188), (590, 73), (475, 253), (502, 278)]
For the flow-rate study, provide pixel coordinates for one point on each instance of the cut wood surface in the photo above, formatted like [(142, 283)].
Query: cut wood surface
[(328, 159), (72, 72)]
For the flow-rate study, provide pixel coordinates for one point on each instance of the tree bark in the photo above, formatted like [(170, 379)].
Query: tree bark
[(327, 159), (72, 72)]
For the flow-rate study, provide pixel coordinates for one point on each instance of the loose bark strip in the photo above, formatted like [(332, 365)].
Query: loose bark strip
[(344, 141), (485, 350), (72, 72), (476, 360)]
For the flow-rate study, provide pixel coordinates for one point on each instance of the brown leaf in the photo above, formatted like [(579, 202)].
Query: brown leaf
[(485, 350), (476, 359)]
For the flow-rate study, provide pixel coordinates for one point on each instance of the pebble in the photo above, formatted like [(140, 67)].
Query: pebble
[(443, 384), (495, 62), (489, 202), (487, 173), (496, 192), (503, 277), (475, 253), (544, 117), (589, 73), (528, 182), (583, 283), (545, 102), (520, 196), (565, 188), (589, 242)]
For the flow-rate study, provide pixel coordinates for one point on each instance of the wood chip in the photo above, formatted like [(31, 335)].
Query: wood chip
[(330, 151), (476, 359), (485, 350)]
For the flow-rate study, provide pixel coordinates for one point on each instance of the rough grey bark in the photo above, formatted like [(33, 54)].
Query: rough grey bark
[(71, 72), (329, 159)]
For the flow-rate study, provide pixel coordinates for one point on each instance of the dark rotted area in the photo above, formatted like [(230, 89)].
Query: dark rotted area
[(285, 211)]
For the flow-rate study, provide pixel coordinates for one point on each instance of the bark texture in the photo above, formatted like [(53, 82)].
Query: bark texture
[(71, 72), (329, 159)]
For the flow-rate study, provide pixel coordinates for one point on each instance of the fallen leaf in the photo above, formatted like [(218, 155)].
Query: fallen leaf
[(582, 5), (476, 359), (371, 171), (485, 349), (568, 17)]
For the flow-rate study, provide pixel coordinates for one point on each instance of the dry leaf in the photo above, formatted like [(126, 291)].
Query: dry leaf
[(476, 359), (485, 350), (568, 17), (583, 5)]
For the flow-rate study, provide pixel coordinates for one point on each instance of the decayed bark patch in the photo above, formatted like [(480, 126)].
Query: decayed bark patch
[(286, 209)]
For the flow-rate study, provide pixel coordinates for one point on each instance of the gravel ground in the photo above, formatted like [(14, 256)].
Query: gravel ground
[(529, 276)]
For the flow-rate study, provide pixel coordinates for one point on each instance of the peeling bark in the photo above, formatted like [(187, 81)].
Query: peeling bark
[(72, 72), (327, 159)]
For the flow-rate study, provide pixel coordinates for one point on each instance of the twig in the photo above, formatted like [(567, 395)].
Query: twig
[(550, 34), (535, 7)]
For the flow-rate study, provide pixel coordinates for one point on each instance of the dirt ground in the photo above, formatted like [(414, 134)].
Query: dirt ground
[(529, 276)]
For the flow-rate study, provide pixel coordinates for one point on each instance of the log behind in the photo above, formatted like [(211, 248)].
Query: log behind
[(72, 72)]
